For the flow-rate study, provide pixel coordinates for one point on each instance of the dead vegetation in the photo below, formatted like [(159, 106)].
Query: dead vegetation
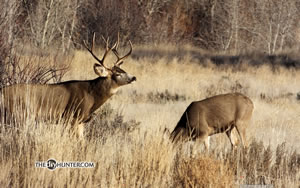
[(40, 42), (126, 142)]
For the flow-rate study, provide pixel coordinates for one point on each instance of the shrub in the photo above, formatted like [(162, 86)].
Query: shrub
[(202, 171), (165, 96), (108, 123), (258, 164)]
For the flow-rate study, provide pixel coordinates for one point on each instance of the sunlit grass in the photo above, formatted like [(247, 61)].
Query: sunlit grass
[(144, 156)]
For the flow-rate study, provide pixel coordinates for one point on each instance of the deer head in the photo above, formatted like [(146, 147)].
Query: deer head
[(115, 73)]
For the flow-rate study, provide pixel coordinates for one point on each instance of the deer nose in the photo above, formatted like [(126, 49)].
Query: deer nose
[(133, 79)]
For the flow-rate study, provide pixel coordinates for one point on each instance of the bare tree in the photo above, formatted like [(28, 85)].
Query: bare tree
[(52, 22), (8, 33), (67, 24), (230, 25), (267, 24)]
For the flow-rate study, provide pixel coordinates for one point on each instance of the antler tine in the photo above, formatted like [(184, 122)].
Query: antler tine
[(116, 46), (91, 52), (120, 60), (93, 42), (106, 41), (118, 41), (107, 49)]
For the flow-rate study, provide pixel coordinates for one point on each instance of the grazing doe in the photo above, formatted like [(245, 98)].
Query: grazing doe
[(214, 115)]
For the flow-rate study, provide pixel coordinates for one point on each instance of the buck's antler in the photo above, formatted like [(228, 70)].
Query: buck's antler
[(115, 50), (107, 49)]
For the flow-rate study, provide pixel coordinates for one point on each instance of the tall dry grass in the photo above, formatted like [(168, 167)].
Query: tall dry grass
[(126, 139)]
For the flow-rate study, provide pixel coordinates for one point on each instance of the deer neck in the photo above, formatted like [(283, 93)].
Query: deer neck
[(102, 89)]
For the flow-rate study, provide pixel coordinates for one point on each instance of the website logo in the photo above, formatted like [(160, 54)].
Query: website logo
[(52, 164)]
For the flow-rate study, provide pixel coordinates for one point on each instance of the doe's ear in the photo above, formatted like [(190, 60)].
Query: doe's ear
[(100, 70)]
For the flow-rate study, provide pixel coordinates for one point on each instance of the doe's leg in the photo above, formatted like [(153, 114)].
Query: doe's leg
[(206, 143), (204, 138), (80, 131), (232, 138), (241, 129)]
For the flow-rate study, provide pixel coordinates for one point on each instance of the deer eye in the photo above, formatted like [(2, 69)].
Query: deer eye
[(118, 74)]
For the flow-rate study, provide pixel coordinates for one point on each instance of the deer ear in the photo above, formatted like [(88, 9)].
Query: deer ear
[(100, 70)]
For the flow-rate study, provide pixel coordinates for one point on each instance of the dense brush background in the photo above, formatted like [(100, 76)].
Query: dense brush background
[(183, 51)]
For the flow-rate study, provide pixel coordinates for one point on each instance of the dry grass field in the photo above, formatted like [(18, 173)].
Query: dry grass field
[(127, 143)]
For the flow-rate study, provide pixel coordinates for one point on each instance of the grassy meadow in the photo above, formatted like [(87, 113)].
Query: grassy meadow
[(127, 142)]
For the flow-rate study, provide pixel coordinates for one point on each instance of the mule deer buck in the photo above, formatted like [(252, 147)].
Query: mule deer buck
[(71, 100), (214, 115)]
